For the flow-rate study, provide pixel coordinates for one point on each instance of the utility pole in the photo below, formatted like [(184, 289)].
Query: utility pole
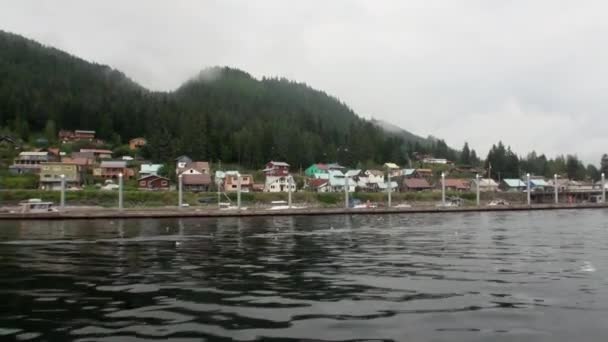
[(389, 187), (346, 206), (238, 193), (603, 188), (289, 183), (180, 199)]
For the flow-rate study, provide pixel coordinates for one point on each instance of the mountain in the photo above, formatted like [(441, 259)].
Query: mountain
[(398, 131), (221, 114)]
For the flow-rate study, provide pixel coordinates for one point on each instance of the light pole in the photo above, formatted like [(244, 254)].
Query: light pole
[(603, 188), (62, 201), (477, 188), (346, 192), (238, 191), (180, 198), (443, 189), (555, 189), (120, 199), (390, 188), (528, 188), (289, 183), (219, 198)]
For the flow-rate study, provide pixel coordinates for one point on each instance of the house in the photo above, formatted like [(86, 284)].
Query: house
[(186, 165), (318, 185), (415, 184), (335, 166), (539, 184), (97, 153), (111, 169), (77, 135), (430, 160), (84, 164), (153, 182), (279, 184), (8, 140), (275, 168), (137, 143), (196, 182), (51, 172), (512, 185), (29, 162), (315, 169), (231, 182), (598, 185), (337, 182), (456, 184), (485, 185), (423, 173), (374, 176), (149, 169), (383, 187)]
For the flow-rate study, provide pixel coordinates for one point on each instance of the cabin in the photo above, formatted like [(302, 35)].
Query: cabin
[(153, 182), (137, 143), (29, 162), (279, 184), (512, 185), (455, 184), (485, 185), (415, 184), (196, 182), (66, 136), (231, 182), (185, 165), (51, 172), (318, 185), (97, 153), (149, 169), (112, 169)]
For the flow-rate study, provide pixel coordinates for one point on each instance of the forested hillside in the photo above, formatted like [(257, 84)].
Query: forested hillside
[(222, 114)]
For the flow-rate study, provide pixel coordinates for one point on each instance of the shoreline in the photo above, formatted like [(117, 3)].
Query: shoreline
[(98, 214)]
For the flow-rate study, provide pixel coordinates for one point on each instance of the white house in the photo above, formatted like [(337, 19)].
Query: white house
[(278, 184), (485, 185), (374, 176), (434, 161), (337, 182)]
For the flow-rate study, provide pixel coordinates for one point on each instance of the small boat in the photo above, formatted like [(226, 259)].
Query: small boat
[(36, 205)]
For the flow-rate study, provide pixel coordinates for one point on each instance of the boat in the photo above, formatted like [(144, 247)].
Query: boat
[(36, 206)]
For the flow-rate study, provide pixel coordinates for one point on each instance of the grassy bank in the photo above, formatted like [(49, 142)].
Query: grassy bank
[(169, 198)]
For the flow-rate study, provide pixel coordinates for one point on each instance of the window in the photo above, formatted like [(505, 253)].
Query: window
[(272, 186), (163, 183), (46, 168), (142, 183), (233, 186)]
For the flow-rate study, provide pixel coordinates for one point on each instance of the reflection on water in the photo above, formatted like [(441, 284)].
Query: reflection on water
[(449, 277)]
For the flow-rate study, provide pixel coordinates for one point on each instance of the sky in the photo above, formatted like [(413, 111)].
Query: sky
[(533, 74)]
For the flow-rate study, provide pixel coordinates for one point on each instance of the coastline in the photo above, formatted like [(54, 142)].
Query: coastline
[(167, 212)]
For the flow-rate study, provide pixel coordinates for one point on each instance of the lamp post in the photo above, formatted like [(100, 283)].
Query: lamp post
[(120, 199), (389, 188), (555, 189), (289, 183), (346, 192), (180, 198), (528, 188), (62, 201), (443, 189), (477, 188), (238, 191), (603, 188)]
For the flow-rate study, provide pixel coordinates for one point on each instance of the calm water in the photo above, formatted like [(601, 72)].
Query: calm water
[(538, 276)]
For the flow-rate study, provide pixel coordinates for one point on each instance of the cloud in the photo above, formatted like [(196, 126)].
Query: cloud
[(462, 70)]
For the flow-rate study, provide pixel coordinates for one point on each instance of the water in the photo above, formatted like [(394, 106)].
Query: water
[(536, 276)]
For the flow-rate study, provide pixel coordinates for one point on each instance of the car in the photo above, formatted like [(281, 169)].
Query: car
[(110, 186)]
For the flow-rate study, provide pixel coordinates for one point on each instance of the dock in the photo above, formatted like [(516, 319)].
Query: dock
[(166, 212)]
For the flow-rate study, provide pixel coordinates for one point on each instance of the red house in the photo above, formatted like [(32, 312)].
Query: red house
[(274, 168), (153, 182)]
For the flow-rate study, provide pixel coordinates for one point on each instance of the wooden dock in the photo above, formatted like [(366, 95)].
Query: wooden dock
[(139, 213)]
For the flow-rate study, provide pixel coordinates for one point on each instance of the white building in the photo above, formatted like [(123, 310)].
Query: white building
[(278, 184), (434, 161)]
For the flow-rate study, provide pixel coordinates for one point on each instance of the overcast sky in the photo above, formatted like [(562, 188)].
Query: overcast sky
[(531, 73)]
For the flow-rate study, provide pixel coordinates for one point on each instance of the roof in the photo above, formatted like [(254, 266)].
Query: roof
[(416, 183), (77, 161), (391, 165), (37, 154), (408, 172), (514, 182), (317, 183), (457, 183), (84, 150), (197, 165), (485, 182), (376, 173), (538, 182), (424, 170), (138, 138), (84, 131), (278, 163), (195, 179), (150, 168), (155, 176), (352, 173), (334, 166), (183, 158), (114, 164)]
